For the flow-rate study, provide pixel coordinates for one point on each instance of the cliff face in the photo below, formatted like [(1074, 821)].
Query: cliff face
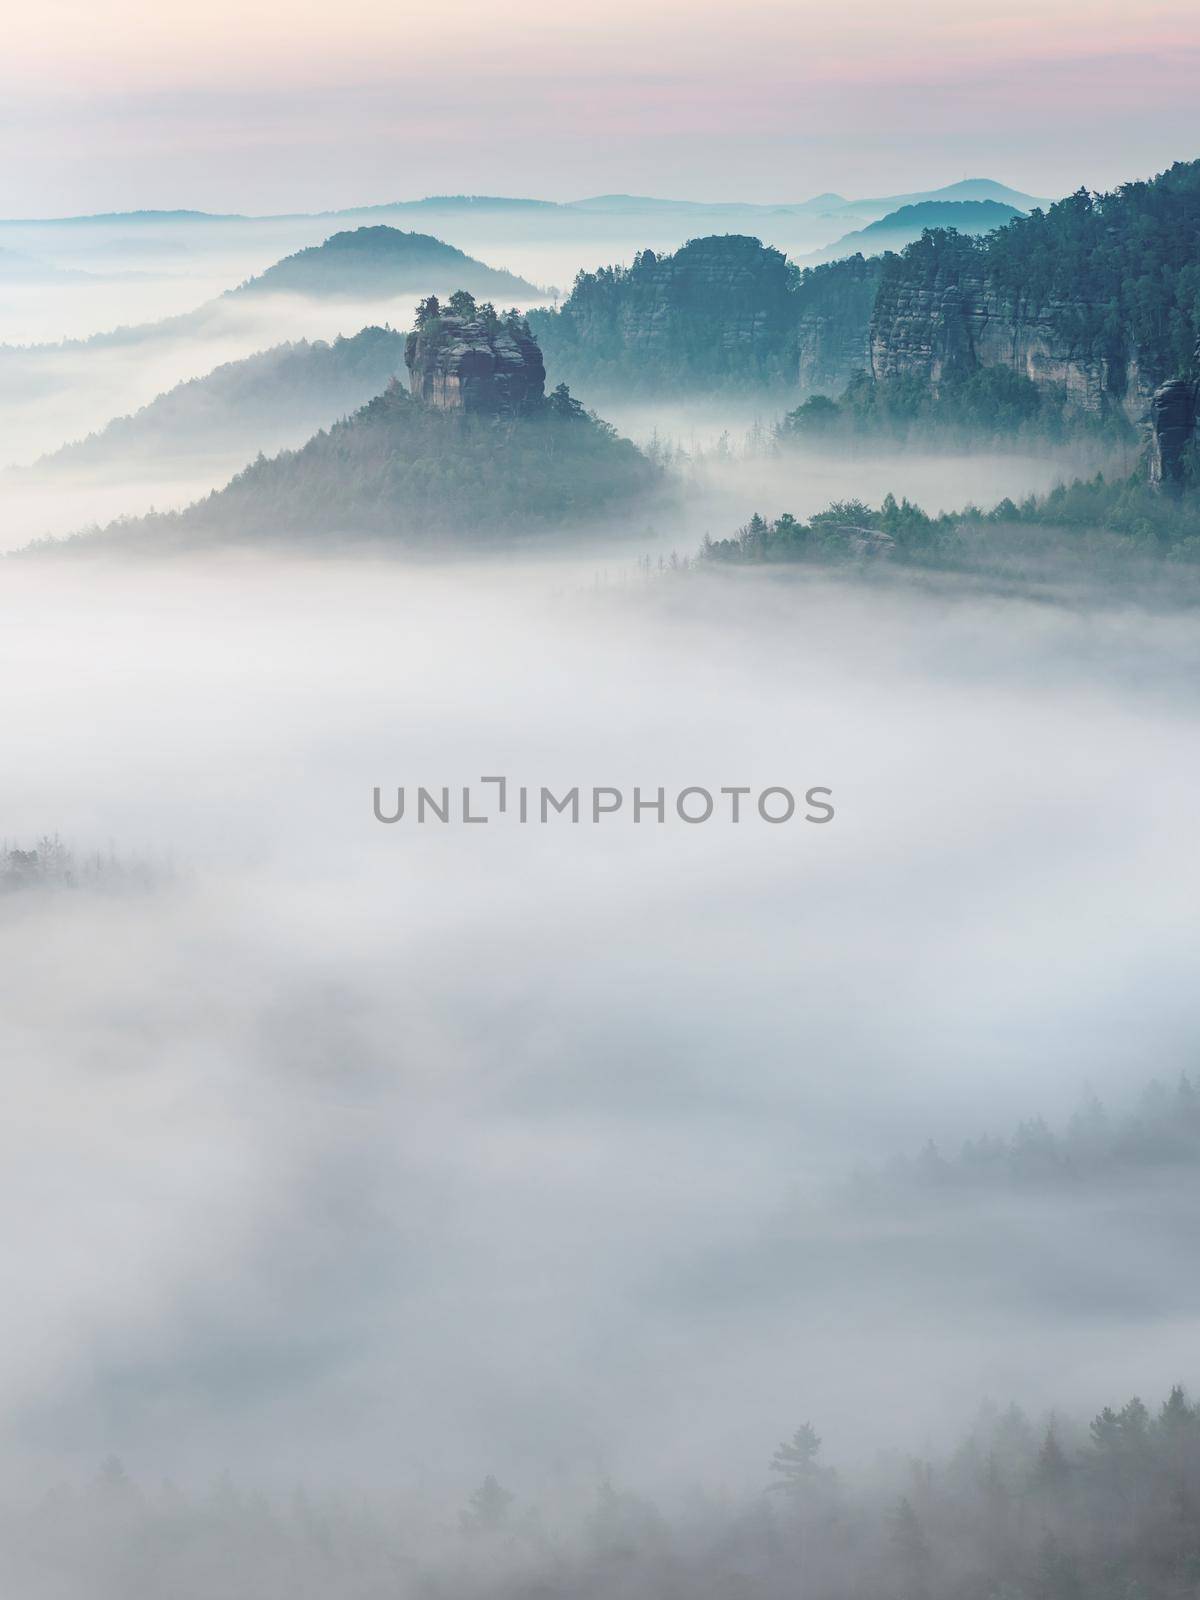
[(1174, 415), (729, 290), (941, 325), (833, 323), (468, 364)]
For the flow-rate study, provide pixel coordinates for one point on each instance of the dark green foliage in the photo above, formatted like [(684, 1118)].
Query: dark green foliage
[(1094, 525), (563, 404), (403, 471), (1116, 276), (817, 415), (1132, 257), (995, 401), (719, 310), (966, 216), (1113, 279)]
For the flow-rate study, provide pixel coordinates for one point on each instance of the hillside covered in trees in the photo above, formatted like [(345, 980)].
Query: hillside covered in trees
[(1006, 1502), (381, 261), (1099, 530), (259, 403), (1021, 1508), (413, 475), (904, 226), (719, 310), (1067, 318)]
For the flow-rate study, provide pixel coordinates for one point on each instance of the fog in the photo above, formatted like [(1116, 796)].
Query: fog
[(379, 1158), (432, 1149)]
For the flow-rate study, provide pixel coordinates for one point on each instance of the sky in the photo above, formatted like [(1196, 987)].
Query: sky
[(254, 105)]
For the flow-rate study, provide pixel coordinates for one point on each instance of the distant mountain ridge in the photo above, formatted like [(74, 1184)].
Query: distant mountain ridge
[(1084, 311), (260, 403), (374, 262), (382, 260), (903, 227), (965, 189)]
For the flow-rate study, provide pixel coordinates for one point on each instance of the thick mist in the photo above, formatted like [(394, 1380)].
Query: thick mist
[(345, 1163), (369, 1153)]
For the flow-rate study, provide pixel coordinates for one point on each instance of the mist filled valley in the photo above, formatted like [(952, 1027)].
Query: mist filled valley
[(439, 1160)]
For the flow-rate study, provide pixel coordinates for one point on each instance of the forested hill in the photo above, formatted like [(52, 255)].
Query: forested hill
[(1123, 534), (261, 403), (1096, 299), (718, 309), (412, 475), (1085, 308), (903, 227), (375, 261)]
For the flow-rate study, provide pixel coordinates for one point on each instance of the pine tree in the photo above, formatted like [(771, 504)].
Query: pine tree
[(796, 1462)]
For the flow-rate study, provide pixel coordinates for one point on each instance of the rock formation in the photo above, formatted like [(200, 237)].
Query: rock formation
[(833, 324), (475, 363), (939, 316), (1173, 428)]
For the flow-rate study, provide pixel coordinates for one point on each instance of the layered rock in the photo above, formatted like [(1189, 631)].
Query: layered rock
[(730, 289), (833, 324), (939, 316), (476, 364), (1173, 429)]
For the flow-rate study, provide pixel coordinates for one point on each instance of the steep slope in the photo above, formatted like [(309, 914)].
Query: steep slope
[(723, 312), (375, 261), (414, 475), (832, 338), (1097, 299), (463, 357), (507, 462), (260, 403)]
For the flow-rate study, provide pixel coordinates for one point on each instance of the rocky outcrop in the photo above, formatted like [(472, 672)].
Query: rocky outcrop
[(730, 289), (1172, 432), (939, 316), (833, 324), (476, 364)]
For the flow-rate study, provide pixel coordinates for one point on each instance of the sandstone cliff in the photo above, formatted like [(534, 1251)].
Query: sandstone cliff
[(1175, 425), (832, 337), (1095, 301), (475, 363), (939, 316)]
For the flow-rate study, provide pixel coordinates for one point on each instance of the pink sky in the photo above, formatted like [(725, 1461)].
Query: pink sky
[(260, 105)]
